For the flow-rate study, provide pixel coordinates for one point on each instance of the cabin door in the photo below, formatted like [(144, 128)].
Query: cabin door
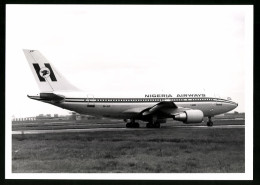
[(90, 100)]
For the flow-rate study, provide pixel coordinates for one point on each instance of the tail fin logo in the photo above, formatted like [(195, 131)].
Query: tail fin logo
[(44, 72)]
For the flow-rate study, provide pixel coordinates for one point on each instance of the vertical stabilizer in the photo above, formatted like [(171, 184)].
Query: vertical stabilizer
[(45, 74)]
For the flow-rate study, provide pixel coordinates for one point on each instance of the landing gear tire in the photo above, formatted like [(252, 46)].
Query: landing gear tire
[(132, 125), (155, 125), (136, 125), (128, 125), (149, 125), (209, 123)]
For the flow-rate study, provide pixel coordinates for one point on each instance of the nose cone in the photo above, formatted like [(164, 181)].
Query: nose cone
[(234, 105)]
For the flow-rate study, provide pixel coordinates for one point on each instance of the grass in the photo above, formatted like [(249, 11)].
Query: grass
[(53, 125), (166, 150)]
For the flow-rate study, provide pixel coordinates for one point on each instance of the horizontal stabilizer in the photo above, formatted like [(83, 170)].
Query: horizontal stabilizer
[(48, 97)]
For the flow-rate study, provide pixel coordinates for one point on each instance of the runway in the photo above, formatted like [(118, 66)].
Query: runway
[(122, 129)]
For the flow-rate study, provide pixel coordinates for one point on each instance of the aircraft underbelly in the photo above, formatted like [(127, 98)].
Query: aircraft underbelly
[(114, 110)]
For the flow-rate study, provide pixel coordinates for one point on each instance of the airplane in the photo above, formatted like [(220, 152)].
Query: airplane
[(151, 108)]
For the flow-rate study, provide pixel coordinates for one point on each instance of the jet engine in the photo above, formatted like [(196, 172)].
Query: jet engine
[(190, 116)]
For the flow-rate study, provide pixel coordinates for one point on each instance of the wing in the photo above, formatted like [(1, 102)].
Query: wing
[(164, 109)]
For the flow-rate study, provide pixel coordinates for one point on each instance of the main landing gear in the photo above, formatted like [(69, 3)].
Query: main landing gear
[(132, 124), (153, 123), (209, 123)]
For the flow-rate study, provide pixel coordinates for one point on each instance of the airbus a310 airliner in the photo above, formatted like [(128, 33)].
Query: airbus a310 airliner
[(152, 108)]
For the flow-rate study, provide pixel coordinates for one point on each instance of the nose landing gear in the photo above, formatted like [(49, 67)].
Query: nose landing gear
[(209, 123)]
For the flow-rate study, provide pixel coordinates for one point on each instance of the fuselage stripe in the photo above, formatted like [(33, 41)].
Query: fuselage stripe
[(145, 100)]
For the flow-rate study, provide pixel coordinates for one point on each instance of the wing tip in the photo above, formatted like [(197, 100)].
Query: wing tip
[(29, 50)]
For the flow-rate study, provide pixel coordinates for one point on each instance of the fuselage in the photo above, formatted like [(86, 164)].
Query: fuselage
[(123, 107)]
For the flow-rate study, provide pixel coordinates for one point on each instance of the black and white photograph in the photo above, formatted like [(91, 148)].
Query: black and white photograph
[(136, 92)]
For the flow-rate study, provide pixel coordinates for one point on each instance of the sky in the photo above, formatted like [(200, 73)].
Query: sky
[(130, 48)]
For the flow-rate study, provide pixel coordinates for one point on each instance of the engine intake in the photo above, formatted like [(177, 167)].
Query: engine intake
[(190, 116)]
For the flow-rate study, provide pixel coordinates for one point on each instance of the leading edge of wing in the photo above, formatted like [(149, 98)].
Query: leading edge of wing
[(159, 107)]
